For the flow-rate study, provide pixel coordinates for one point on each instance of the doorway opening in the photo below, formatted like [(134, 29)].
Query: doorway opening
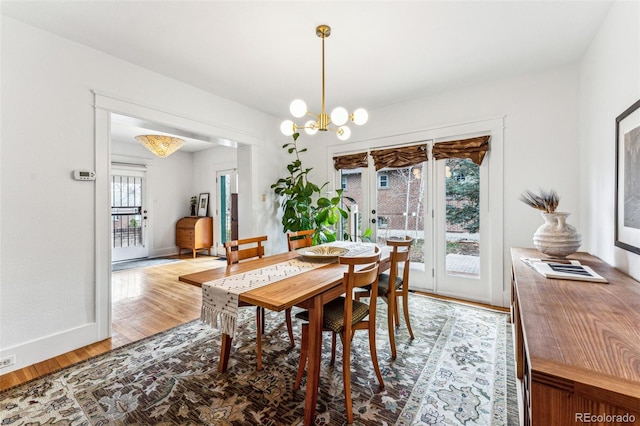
[(128, 213)]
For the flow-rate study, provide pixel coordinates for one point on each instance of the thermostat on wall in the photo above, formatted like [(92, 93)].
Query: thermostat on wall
[(84, 175)]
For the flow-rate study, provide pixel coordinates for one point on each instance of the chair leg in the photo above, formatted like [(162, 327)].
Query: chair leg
[(397, 314), (259, 328), (346, 375), (393, 308), (304, 351), (374, 353), (262, 315), (405, 308), (287, 318), (333, 348)]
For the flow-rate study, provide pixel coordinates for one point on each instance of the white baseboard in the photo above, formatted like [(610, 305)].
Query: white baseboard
[(35, 351)]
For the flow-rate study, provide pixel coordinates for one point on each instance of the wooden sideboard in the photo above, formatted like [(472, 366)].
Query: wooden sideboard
[(194, 233), (577, 344)]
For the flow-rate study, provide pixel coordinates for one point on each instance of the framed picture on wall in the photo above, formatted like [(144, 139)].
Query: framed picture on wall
[(627, 189), (203, 204)]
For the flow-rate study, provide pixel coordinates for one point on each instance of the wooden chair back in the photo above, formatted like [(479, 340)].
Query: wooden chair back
[(362, 272), (299, 239), (400, 254), (237, 250)]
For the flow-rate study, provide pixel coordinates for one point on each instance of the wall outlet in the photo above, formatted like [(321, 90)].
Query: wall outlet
[(7, 361)]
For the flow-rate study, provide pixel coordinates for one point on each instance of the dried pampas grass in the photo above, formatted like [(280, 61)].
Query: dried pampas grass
[(546, 201)]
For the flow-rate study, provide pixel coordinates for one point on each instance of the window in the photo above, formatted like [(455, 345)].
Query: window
[(383, 181), (344, 182)]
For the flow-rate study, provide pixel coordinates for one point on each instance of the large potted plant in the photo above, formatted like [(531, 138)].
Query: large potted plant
[(303, 206)]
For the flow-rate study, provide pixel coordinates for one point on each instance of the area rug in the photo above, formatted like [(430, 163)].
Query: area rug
[(457, 371), (141, 263)]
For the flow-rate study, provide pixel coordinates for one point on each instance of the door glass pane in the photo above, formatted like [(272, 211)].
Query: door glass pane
[(126, 211), (462, 217), (225, 208), (400, 206)]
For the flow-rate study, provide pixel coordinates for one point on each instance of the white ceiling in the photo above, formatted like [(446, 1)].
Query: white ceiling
[(264, 54)]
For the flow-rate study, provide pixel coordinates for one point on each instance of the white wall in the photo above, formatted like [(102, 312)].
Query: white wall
[(52, 279), (609, 84)]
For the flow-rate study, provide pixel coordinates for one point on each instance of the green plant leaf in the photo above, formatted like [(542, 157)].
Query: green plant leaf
[(323, 202)]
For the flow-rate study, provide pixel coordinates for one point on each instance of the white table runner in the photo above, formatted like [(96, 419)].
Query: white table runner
[(220, 297)]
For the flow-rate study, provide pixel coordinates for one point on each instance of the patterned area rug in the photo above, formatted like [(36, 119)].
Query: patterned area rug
[(457, 371)]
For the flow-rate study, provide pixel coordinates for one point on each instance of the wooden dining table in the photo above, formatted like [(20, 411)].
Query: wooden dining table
[(310, 290)]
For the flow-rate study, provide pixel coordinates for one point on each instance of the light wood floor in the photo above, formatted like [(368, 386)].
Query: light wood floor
[(146, 301)]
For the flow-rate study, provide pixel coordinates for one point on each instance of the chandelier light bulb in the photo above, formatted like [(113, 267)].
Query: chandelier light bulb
[(360, 116), (298, 108), (287, 127), (339, 116), (343, 133), (311, 127)]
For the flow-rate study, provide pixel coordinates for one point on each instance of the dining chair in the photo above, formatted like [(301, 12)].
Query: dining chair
[(400, 255), (343, 316), (237, 250), (299, 239)]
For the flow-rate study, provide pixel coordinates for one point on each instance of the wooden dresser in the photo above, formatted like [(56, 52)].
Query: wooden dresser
[(577, 344), (194, 233)]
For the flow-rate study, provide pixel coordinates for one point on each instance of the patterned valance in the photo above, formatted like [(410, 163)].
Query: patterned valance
[(350, 161), (474, 149), (405, 156)]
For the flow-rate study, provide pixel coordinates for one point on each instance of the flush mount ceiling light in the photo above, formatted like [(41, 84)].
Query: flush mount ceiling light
[(160, 145), (339, 115)]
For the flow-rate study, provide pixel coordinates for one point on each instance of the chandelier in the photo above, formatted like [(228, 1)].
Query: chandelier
[(339, 116), (160, 145)]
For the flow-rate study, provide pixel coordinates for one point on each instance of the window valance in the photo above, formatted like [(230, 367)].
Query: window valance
[(400, 157), (350, 161), (473, 148)]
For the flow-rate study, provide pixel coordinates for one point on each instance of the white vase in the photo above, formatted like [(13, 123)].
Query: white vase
[(555, 237)]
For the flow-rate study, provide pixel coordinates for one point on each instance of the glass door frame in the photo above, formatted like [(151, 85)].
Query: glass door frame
[(223, 203), (460, 286), (135, 252)]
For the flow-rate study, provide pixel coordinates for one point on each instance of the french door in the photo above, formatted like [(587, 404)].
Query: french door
[(460, 253), (128, 214), (437, 203)]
